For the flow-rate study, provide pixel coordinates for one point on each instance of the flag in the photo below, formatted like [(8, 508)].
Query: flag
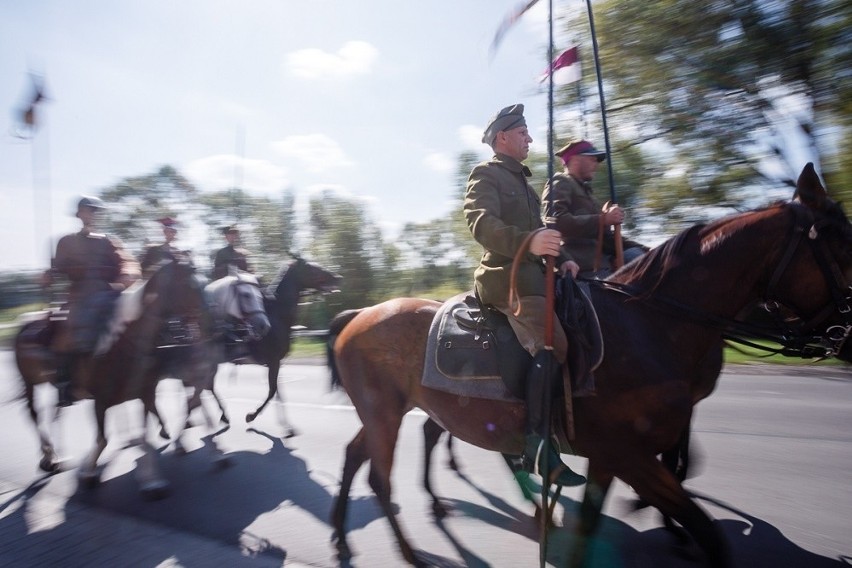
[(565, 68), (27, 115), (509, 21)]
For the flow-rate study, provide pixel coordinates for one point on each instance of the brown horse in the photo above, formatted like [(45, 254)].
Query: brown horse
[(117, 372), (663, 316)]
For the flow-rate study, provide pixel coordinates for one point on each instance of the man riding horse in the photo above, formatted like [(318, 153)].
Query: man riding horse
[(98, 269), (502, 210)]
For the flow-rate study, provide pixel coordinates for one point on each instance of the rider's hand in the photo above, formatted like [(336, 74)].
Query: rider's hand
[(545, 242), (569, 266), (613, 215)]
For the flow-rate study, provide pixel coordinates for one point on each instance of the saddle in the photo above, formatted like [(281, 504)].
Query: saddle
[(472, 350)]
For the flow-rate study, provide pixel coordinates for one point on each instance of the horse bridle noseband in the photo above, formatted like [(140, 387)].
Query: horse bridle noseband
[(804, 339)]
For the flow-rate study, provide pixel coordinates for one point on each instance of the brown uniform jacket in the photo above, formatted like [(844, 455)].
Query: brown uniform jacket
[(571, 207), (501, 209), (155, 253), (226, 256), (92, 262)]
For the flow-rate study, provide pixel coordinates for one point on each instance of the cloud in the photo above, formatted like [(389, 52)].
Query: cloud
[(317, 152), (439, 162), (224, 171), (354, 58), (471, 137)]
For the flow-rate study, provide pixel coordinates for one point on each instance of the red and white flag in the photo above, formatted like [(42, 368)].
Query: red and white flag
[(566, 67)]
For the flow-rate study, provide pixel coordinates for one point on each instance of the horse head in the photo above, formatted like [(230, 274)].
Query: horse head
[(810, 284), (239, 296), (300, 275)]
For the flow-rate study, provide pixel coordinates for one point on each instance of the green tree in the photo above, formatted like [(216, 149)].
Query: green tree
[(136, 202), (345, 240), (715, 85)]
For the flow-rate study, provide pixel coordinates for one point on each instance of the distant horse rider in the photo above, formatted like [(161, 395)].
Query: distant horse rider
[(572, 208), (502, 211), (231, 254), (154, 254), (98, 269)]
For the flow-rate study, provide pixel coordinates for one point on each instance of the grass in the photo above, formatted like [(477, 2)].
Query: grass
[(308, 347)]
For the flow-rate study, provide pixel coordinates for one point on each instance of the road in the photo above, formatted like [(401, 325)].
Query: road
[(774, 471)]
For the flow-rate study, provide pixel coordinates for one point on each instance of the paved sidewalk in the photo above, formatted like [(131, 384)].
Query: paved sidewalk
[(38, 529)]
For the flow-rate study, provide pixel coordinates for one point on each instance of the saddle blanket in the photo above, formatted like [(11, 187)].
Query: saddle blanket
[(469, 354)]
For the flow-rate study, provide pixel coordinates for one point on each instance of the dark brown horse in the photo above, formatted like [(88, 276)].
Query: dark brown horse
[(281, 301), (663, 317), (117, 372)]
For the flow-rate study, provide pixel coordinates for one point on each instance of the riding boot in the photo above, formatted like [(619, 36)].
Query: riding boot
[(64, 372), (534, 460)]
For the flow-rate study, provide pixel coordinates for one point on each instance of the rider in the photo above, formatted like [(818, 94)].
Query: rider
[(571, 207), (98, 269), (231, 254), (501, 210), (154, 254)]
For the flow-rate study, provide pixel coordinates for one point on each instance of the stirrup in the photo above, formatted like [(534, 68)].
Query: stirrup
[(560, 474)]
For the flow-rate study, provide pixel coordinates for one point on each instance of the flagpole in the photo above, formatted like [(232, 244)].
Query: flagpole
[(613, 198)]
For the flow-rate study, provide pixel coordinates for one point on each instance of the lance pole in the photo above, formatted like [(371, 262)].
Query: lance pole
[(619, 252)]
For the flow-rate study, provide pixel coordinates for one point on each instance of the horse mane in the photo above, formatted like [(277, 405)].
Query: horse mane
[(649, 271), (128, 308)]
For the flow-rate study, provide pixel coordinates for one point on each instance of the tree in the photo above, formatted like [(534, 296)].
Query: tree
[(136, 202), (343, 239), (725, 89)]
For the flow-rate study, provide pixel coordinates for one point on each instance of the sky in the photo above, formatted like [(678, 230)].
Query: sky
[(374, 99)]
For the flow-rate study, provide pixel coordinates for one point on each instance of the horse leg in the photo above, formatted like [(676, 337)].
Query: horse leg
[(431, 434), (676, 460), (49, 461), (658, 487), (272, 380), (381, 442), (223, 418), (88, 472), (356, 455), (590, 512), (451, 461)]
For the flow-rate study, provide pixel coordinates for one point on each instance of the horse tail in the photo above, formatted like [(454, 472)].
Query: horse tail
[(335, 326)]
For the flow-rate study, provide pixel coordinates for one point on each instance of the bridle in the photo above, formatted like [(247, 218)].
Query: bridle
[(798, 337), (246, 312)]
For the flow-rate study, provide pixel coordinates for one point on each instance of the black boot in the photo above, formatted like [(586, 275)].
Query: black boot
[(65, 394), (536, 461), (545, 373)]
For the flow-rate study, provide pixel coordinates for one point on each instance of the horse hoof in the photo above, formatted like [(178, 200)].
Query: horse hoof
[(251, 416), (89, 480), (291, 433), (163, 434), (221, 463), (154, 490), (50, 465), (225, 419), (343, 551), (439, 510)]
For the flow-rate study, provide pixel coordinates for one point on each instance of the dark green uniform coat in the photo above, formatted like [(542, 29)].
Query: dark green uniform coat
[(501, 210), (571, 207)]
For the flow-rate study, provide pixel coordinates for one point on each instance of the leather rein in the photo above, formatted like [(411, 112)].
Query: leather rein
[(797, 337)]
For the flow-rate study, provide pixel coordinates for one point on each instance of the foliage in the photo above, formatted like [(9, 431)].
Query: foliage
[(721, 94)]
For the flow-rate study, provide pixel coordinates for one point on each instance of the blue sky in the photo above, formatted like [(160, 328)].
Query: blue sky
[(374, 98)]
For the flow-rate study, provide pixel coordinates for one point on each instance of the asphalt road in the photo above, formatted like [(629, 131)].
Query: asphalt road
[(775, 456)]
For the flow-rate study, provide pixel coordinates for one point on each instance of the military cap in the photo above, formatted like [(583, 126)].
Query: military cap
[(90, 201), (580, 148), (168, 222), (507, 119), (228, 229)]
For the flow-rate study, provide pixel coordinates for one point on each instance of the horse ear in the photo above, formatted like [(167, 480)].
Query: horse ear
[(809, 189)]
